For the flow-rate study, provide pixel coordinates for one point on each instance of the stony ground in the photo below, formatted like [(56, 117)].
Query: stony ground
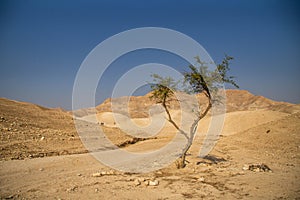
[(42, 157)]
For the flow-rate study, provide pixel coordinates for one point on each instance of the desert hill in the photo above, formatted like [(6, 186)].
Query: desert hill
[(239, 100), (29, 131), (236, 100), (32, 131), (37, 143)]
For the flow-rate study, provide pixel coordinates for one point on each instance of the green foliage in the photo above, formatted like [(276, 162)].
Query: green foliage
[(163, 88), (200, 79), (223, 69)]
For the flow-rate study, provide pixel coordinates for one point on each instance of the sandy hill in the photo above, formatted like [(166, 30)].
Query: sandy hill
[(33, 115), (29, 130), (256, 130), (236, 100)]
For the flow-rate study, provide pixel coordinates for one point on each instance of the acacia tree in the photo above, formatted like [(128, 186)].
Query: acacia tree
[(199, 80)]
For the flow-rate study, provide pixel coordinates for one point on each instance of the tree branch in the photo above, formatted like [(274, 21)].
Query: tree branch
[(171, 120)]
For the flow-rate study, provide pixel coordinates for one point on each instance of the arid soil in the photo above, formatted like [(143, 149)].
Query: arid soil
[(42, 156)]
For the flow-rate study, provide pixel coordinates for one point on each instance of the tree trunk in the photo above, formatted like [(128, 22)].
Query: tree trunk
[(190, 138), (193, 130), (184, 152)]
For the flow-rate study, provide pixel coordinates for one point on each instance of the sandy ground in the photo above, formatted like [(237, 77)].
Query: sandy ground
[(45, 159), (71, 176)]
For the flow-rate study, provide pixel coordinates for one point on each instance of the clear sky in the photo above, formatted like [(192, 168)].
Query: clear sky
[(43, 43)]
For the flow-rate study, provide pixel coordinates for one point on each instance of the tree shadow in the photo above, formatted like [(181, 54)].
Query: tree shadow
[(211, 159)]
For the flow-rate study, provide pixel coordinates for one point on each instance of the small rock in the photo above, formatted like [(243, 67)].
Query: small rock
[(159, 173), (245, 167), (202, 164), (153, 183), (111, 172), (42, 138), (137, 182), (241, 173), (256, 170), (10, 197), (146, 183), (41, 169), (103, 173), (72, 189), (96, 190), (290, 164), (97, 174), (79, 174), (259, 168), (201, 179)]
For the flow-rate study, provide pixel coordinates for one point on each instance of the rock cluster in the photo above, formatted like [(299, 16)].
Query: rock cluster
[(257, 168), (104, 173), (136, 181), (139, 181)]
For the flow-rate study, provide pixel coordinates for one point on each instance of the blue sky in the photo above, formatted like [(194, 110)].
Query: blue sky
[(43, 43)]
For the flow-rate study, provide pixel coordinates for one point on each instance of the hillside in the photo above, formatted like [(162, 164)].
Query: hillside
[(31, 131), (236, 100), (239, 100), (36, 144)]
